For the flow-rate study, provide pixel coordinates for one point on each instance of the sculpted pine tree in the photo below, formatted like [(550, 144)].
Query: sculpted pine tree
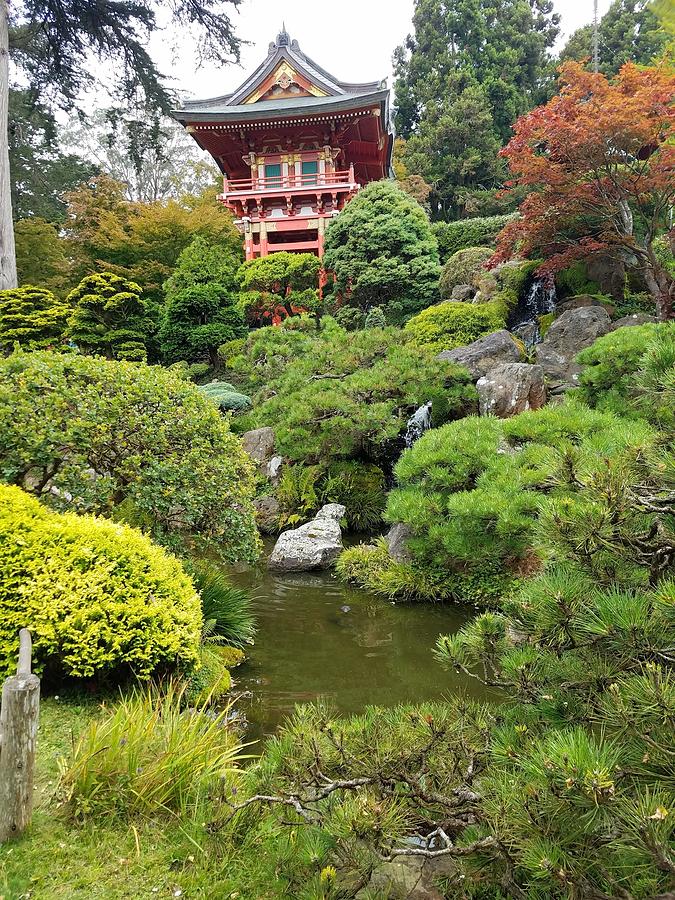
[(52, 42), (599, 163), (31, 317), (110, 318)]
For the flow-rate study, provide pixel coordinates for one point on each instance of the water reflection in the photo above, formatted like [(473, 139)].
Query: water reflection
[(319, 638)]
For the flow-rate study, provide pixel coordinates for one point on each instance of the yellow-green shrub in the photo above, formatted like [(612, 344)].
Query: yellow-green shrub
[(98, 597), (449, 325)]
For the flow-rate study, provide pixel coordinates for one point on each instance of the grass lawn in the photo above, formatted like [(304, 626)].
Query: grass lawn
[(114, 859)]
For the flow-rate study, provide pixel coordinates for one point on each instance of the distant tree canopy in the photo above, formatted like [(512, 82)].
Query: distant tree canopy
[(628, 32), (470, 68), (41, 172), (383, 253)]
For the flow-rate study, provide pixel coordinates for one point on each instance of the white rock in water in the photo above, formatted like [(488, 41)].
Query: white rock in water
[(315, 545)]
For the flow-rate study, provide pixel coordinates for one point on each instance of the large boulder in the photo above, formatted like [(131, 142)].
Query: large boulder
[(634, 319), (609, 273), (259, 444), (462, 292), (397, 542), (484, 354), (570, 333), (511, 389), (581, 301), (315, 545)]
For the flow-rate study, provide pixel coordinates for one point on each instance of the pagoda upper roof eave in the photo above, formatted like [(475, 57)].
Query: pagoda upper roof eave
[(282, 109)]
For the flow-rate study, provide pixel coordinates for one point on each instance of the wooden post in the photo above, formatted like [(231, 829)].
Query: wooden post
[(19, 716)]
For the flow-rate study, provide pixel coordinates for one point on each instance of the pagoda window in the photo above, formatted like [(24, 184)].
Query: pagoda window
[(273, 171), (310, 167)]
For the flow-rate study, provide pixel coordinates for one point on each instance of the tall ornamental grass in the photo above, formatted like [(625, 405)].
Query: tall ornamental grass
[(149, 755)]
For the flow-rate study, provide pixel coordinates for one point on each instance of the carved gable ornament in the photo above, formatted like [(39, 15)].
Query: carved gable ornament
[(283, 83)]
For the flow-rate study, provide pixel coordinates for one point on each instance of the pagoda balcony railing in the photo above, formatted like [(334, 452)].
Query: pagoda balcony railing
[(285, 183)]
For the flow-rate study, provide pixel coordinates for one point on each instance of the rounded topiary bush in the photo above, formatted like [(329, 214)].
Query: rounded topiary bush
[(449, 325), (462, 268), (134, 442), (99, 598)]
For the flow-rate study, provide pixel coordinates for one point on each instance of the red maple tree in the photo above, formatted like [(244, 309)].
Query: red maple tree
[(599, 160)]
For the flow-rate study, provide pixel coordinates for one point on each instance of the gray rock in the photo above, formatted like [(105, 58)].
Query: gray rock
[(259, 444), (484, 354), (272, 469), (409, 878), (315, 545), (397, 542), (581, 301), (635, 319), (609, 273), (267, 512), (574, 330), (462, 292), (528, 333), (511, 389)]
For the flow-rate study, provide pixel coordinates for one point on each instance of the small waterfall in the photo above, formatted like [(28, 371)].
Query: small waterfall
[(537, 300), (418, 423)]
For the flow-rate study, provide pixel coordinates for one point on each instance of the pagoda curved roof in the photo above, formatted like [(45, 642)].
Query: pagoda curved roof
[(338, 93)]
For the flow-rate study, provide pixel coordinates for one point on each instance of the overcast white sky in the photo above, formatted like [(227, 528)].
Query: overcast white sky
[(354, 40)]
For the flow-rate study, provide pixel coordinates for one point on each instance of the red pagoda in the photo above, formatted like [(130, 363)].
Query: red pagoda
[(294, 145)]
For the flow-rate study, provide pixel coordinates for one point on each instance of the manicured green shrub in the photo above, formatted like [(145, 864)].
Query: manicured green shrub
[(110, 318), (200, 312), (481, 231), (275, 287), (350, 318), (614, 366), (149, 756), (382, 252), (471, 491), (225, 396), (135, 442), (449, 325), (99, 598), (463, 267), (31, 317), (375, 318)]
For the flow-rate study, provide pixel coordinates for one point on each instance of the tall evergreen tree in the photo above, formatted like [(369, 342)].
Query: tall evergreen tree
[(52, 42), (628, 32), (462, 79)]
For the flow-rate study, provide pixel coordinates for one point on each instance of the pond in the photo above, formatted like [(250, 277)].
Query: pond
[(318, 638)]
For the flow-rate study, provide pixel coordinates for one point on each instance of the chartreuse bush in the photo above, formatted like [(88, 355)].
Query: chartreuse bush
[(99, 598), (137, 443), (449, 325), (31, 317)]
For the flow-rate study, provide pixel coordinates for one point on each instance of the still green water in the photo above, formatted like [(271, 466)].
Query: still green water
[(318, 638)]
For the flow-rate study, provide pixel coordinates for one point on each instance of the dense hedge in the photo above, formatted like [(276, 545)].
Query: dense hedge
[(134, 442), (476, 232), (99, 598)]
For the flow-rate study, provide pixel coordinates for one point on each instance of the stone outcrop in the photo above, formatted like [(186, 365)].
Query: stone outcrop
[(409, 878), (484, 354), (582, 301), (634, 319), (267, 511), (462, 292), (510, 389), (397, 542), (609, 274), (259, 444), (315, 545), (570, 333)]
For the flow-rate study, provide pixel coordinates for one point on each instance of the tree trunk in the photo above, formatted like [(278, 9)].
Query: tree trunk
[(8, 277), (661, 286)]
